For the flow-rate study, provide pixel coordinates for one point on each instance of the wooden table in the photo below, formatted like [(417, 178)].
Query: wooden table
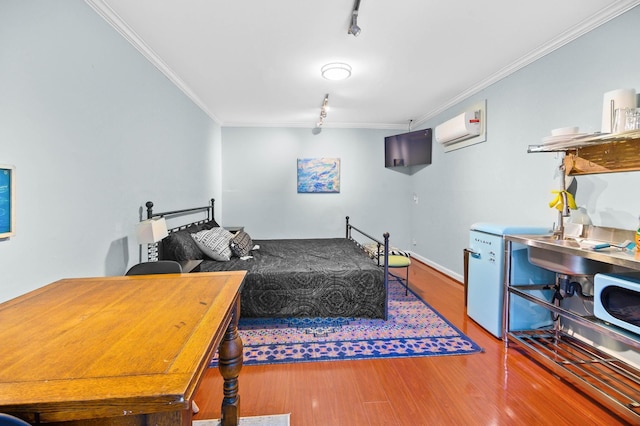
[(120, 350)]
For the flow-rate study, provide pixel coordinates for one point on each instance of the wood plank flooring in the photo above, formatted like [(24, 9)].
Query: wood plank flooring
[(496, 387)]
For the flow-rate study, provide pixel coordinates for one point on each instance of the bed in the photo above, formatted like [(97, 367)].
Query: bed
[(315, 277)]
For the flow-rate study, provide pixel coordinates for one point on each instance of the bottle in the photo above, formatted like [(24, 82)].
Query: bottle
[(638, 237), (580, 216)]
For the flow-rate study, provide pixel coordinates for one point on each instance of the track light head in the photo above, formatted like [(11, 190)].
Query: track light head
[(354, 28)]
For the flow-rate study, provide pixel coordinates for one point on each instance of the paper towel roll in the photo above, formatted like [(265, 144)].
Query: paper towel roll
[(620, 98)]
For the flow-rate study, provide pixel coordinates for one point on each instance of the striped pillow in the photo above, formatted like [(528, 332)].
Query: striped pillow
[(372, 251), (214, 243)]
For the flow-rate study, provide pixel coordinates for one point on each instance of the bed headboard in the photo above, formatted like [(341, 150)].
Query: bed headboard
[(156, 248), (209, 209)]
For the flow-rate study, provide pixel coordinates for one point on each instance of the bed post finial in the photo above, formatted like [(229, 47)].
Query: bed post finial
[(149, 205), (347, 229), (386, 243)]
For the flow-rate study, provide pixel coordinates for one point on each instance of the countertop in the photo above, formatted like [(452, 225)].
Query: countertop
[(611, 255)]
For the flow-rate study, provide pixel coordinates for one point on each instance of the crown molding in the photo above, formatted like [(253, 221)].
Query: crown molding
[(113, 19), (378, 126), (605, 15)]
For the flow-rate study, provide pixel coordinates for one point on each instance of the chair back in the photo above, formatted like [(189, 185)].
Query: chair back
[(158, 267), (9, 420)]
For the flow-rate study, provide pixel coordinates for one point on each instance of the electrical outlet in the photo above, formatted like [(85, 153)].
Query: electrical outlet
[(415, 198), (414, 242)]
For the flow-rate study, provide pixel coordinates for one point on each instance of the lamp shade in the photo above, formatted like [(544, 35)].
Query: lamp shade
[(151, 230)]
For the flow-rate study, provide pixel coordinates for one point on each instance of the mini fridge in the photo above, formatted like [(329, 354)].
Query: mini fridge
[(485, 279)]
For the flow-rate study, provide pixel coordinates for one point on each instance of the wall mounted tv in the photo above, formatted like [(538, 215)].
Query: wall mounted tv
[(408, 149)]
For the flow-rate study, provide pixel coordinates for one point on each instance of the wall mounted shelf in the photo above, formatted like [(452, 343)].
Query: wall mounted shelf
[(597, 153)]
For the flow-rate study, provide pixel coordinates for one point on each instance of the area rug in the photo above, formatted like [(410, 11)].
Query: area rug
[(276, 420), (414, 329)]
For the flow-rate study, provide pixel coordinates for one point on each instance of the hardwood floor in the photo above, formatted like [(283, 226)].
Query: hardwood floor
[(496, 387)]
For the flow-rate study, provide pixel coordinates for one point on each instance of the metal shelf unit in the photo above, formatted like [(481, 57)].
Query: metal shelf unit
[(613, 382), (607, 379)]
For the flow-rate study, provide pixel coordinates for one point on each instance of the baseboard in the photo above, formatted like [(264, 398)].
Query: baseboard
[(438, 267)]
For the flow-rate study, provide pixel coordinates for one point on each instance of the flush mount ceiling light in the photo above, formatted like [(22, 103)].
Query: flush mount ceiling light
[(336, 71), (354, 28)]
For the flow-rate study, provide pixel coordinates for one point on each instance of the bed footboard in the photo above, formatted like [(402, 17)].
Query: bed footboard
[(381, 244)]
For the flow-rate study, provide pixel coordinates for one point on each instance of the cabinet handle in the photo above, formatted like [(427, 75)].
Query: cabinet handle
[(473, 253)]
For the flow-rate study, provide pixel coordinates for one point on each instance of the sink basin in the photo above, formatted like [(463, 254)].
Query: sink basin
[(564, 263)]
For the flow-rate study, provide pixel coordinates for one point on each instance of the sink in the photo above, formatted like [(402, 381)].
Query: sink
[(561, 262)]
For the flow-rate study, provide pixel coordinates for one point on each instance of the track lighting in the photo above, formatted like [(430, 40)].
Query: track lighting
[(354, 28), (323, 110)]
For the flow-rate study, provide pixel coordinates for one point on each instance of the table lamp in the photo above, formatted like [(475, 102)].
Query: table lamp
[(151, 231)]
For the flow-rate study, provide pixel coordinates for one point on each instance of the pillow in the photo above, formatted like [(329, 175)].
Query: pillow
[(210, 224), (372, 251), (241, 244), (180, 246), (214, 243)]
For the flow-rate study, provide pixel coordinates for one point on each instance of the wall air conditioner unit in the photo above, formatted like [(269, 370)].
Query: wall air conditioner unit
[(462, 130)]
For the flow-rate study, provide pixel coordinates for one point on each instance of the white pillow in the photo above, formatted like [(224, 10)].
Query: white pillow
[(214, 243)]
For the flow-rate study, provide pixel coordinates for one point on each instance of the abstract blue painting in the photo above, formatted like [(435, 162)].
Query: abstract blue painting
[(7, 196), (319, 175)]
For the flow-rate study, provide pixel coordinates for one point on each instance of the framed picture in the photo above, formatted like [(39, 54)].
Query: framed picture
[(318, 175), (7, 201)]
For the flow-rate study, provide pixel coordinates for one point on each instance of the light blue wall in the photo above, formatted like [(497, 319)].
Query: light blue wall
[(94, 131), (260, 185), (497, 181)]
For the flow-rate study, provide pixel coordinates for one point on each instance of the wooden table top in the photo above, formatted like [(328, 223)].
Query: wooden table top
[(96, 347)]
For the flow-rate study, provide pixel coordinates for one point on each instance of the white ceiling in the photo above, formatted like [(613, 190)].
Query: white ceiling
[(257, 62)]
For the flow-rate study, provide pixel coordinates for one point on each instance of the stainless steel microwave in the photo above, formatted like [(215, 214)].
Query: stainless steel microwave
[(616, 299)]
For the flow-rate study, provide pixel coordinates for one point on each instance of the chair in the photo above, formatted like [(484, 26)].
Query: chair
[(158, 267), (399, 261), (9, 420)]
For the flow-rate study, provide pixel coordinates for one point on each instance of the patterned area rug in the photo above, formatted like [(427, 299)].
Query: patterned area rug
[(414, 329)]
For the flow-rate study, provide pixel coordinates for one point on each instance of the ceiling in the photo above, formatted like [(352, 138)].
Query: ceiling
[(257, 62)]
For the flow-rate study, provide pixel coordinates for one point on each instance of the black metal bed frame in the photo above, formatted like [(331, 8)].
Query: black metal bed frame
[(208, 209), (155, 249), (385, 244)]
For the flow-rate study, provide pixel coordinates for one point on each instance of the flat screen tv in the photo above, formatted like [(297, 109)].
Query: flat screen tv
[(7, 201), (408, 149)]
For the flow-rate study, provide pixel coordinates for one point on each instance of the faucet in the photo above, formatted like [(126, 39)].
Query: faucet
[(558, 232)]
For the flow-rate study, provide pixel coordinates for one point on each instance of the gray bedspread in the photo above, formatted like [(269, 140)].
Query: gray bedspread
[(330, 277)]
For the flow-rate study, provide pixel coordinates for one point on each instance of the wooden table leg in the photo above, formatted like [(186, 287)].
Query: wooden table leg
[(230, 364)]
